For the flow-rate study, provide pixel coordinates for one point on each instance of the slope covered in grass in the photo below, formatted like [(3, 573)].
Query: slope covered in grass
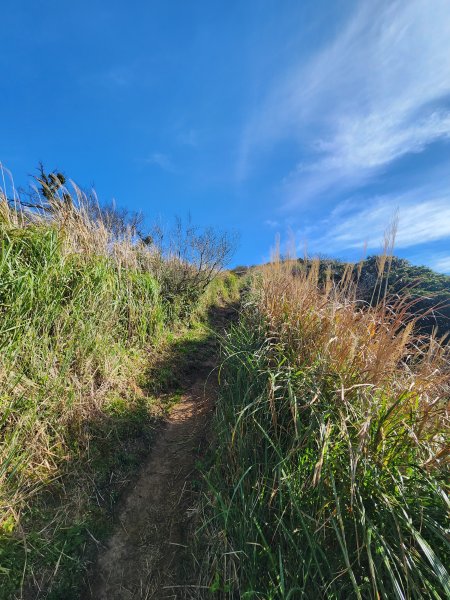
[(330, 475), (82, 311)]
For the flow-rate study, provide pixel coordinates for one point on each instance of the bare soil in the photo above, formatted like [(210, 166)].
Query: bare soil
[(143, 558)]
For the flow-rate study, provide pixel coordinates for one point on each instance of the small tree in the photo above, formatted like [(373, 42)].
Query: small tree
[(47, 196), (191, 257), (49, 183)]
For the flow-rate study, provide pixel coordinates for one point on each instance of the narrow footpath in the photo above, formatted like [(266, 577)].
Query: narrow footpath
[(144, 557)]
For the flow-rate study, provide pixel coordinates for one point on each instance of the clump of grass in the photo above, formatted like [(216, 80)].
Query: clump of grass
[(331, 475)]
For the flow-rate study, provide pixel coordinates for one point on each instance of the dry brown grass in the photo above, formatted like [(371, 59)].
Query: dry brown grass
[(375, 347)]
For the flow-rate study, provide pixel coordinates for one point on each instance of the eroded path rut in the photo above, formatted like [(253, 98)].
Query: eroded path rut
[(142, 557)]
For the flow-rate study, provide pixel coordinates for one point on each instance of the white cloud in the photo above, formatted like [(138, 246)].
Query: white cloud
[(442, 264), (271, 223), (420, 221), (163, 161), (375, 93)]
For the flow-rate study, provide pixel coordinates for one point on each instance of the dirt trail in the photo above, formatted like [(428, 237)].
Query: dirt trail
[(141, 559)]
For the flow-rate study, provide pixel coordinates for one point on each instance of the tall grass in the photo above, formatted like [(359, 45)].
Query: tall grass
[(330, 477), (76, 314), (79, 308)]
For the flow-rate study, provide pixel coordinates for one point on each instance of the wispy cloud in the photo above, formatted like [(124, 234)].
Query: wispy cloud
[(442, 264), (272, 223), (420, 221), (378, 91), (161, 160)]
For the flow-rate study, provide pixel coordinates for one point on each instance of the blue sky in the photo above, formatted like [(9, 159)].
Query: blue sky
[(317, 119)]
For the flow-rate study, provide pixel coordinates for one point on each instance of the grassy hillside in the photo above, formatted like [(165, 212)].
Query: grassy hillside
[(81, 306), (330, 472)]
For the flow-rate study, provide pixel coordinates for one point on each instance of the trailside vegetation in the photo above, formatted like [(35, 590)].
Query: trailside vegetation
[(429, 290), (329, 476), (83, 298)]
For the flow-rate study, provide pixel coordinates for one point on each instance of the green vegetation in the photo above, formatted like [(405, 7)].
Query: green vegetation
[(83, 306), (72, 331), (429, 291), (329, 472), (329, 477)]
